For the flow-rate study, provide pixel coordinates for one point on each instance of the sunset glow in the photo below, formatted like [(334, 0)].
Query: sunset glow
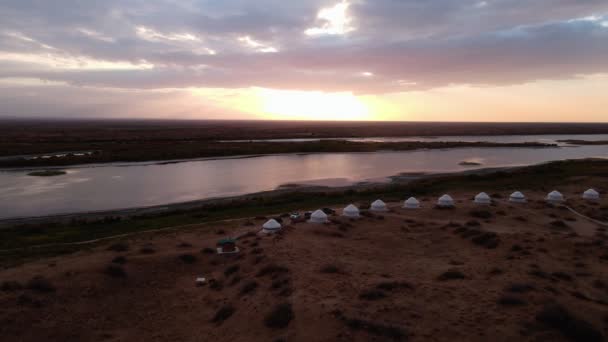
[(339, 60)]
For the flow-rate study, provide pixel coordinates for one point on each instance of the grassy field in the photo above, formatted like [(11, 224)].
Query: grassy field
[(25, 241)]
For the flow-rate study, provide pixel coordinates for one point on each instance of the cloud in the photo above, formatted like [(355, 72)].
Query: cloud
[(371, 47)]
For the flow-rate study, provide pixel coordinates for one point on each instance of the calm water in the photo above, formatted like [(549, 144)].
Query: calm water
[(134, 185), (545, 139)]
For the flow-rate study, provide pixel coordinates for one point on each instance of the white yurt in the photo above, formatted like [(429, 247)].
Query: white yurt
[(517, 197), (591, 195), (445, 201), (411, 203), (555, 197), (271, 226), (318, 217), (482, 198), (378, 205), (350, 211)]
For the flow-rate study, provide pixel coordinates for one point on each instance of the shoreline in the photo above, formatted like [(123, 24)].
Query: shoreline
[(284, 189)]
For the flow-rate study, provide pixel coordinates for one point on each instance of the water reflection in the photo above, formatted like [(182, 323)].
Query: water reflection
[(119, 186)]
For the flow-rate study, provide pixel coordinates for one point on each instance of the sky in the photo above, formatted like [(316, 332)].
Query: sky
[(404, 60)]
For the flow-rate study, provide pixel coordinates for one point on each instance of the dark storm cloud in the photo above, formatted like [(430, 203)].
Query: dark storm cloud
[(405, 44)]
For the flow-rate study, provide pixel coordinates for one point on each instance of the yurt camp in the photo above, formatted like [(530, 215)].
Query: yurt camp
[(411, 203), (482, 198), (350, 211), (318, 217), (591, 195), (517, 197), (445, 201), (271, 226), (378, 205), (554, 197)]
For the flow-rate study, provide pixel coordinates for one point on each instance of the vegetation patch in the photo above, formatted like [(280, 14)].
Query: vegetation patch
[(40, 284), (378, 329), (187, 258), (115, 271), (451, 275), (47, 173), (559, 318), (223, 314), (372, 295), (279, 317), (249, 287), (272, 270)]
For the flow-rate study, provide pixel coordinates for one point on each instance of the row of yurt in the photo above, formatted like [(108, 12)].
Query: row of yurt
[(445, 201)]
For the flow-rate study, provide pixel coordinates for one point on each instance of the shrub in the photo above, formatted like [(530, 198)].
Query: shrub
[(519, 288), (208, 250), (559, 318), (279, 317), (372, 295), (119, 260), (10, 285), (231, 269), (330, 269), (40, 284), (393, 285), (116, 271), (509, 300), (272, 270), (450, 275), (147, 250), (249, 287), (480, 213), (187, 258), (223, 314)]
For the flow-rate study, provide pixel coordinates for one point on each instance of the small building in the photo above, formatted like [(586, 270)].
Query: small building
[(591, 195), (517, 197), (482, 198), (378, 205), (318, 217), (271, 226), (411, 203), (554, 197), (445, 201), (227, 245), (350, 211)]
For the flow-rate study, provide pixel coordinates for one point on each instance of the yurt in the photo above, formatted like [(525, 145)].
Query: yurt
[(482, 198), (378, 205), (555, 197), (411, 203), (271, 226), (517, 197), (591, 195), (318, 217), (445, 201), (350, 211)]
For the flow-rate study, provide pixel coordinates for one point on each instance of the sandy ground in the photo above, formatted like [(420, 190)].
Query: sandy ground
[(375, 278)]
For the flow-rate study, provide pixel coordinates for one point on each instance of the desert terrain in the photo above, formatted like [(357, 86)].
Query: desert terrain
[(504, 272)]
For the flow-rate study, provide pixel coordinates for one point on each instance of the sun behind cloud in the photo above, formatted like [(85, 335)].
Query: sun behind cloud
[(312, 105)]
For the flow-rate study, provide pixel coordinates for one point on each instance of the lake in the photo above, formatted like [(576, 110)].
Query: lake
[(125, 185)]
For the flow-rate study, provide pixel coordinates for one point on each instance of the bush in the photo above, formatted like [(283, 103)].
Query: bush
[(208, 250), (231, 269), (372, 295), (480, 213), (249, 287), (509, 300), (116, 271), (223, 314), (330, 269), (10, 285), (119, 260), (279, 317), (272, 270), (147, 250), (40, 284), (450, 275), (187, 258), (519, 288), (394, 285), (559, 318)]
